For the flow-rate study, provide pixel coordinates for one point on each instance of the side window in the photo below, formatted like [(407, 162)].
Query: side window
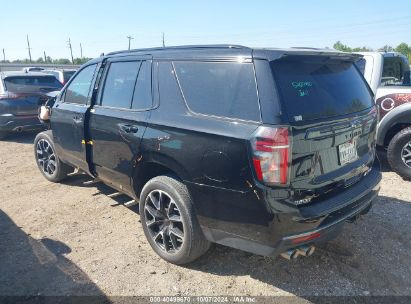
[(119, 85), (225, 89), (79, 89), (392, 72), (142, 93)]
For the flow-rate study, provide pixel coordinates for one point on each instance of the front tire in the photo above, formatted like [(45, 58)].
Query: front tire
[(47, 160), (169, 221), (399, 153)]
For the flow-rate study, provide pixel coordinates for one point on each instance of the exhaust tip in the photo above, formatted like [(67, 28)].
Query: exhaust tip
[(305, 250), (290, 254)]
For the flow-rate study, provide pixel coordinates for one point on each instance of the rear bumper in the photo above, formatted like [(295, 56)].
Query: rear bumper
[(293, 227), (13, 123)]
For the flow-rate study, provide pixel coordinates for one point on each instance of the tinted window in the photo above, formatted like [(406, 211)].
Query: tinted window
[(32, 84), (79, 88), (394, 71), (221, 89), (313, 89), (67, 75), (119, 84), (142, 92), (361, 65)]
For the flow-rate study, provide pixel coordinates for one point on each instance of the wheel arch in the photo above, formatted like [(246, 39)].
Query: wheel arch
[(396, 120), (151, 166)]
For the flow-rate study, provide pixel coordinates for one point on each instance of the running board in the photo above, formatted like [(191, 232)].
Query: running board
[(130, 203), (111, 195), (90, 182)]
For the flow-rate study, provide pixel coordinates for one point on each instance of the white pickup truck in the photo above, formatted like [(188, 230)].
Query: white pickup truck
[(388, 74)]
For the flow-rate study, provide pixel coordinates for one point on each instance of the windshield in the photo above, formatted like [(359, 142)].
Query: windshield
[(319, 87), (29, 84)]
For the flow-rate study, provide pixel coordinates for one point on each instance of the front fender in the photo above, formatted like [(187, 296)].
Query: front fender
[(398, 115)]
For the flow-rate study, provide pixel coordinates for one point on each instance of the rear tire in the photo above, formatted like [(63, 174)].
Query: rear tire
[(399, 153), (47, 160), (169, 221)]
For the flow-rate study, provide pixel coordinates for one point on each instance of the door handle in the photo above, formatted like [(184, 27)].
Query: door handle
[(129, 128), (77, 119)]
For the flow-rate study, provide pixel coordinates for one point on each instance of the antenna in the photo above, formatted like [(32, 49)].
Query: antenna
[(129, 41), (28, 47), (81, 51), (4, 55), (71, 50), (164, 44), (45, 57)]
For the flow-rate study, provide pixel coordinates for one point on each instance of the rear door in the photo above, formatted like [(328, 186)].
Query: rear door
[(68, 118), (118, 120), (333, 121)]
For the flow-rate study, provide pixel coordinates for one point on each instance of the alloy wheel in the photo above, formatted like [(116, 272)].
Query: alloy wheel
[(164, 222), (406, 154), (46, 157)]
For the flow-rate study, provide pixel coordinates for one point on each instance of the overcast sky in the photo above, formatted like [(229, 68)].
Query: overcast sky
[(102, 26)]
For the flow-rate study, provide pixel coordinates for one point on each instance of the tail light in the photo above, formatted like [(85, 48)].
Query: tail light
[(271, 151), (9, 96)]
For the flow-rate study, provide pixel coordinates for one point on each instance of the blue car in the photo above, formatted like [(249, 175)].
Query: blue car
[(21, 94)]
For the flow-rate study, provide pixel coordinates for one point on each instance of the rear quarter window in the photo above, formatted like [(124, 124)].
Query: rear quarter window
[(315, 89), (224, 89)]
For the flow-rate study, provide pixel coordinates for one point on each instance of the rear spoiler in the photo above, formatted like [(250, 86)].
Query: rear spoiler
[(273, 55)]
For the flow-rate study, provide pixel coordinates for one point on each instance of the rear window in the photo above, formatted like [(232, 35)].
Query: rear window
[(223, 89), (31, 83), (318, 88), (67, 75)]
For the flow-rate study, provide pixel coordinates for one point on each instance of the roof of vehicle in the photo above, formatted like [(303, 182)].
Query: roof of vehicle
[(20, 73), (59, 70), (222, 51)]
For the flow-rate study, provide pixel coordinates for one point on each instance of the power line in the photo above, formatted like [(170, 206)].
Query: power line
[(129, 41), (28, 47)]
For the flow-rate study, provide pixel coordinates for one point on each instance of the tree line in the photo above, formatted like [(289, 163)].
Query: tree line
[(49, 60), (402, 48)]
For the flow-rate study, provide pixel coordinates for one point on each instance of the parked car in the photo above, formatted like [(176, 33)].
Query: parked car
[(21, 94), (388, 75), (62, 75), (268, 151)]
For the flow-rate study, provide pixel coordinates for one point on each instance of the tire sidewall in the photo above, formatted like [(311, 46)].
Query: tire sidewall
[(394, 153), (182, 202), (50, 177)]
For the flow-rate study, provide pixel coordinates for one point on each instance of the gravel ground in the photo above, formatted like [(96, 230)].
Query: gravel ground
[(71, 239)]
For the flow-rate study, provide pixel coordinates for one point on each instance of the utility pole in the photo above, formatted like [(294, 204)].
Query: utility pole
[(4, 55), (81, 51), (71, 50), (28, 47), (45, 57), (129, 41), (164, 44)]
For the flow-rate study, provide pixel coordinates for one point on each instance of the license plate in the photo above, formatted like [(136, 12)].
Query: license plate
[(348, 152)]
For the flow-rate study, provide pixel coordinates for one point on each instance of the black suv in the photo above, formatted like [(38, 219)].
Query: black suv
[(265, 150)]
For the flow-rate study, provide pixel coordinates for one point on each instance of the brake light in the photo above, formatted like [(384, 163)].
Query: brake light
[(271, 150), (9, 96)]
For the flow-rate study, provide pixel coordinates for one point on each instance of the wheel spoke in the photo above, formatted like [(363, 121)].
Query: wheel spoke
[(154, 200), (153, 212), (177, 232), (164, 221)]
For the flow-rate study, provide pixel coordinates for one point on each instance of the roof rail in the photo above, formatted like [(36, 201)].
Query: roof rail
[(182, 47)]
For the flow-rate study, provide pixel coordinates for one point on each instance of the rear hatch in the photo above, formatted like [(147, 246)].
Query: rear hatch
[(333, 122), (24, 94)]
